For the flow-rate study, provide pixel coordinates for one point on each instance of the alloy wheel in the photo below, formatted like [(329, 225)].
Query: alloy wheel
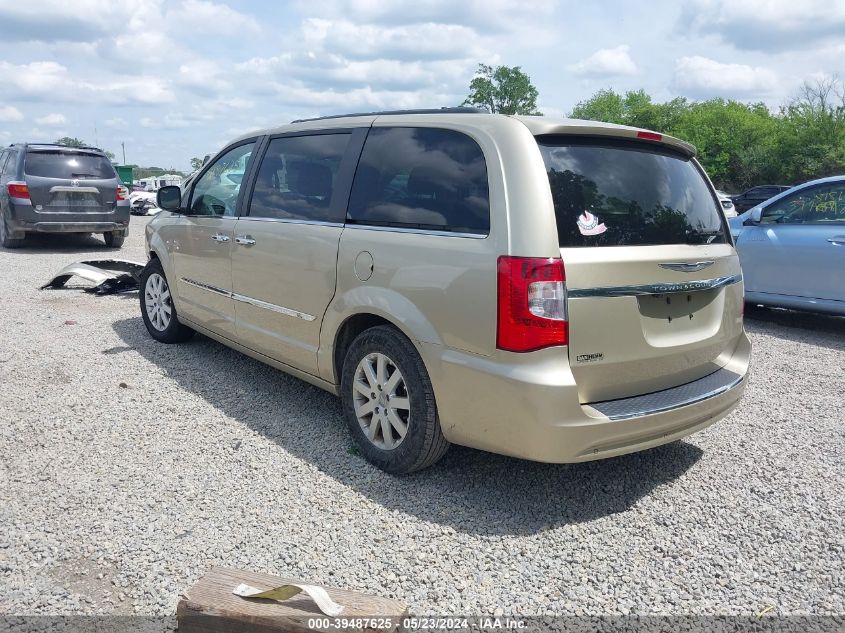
[(381, 400), (157, 301)]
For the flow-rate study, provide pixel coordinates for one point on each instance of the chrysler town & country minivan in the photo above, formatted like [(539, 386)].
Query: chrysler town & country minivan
[(551, 289)]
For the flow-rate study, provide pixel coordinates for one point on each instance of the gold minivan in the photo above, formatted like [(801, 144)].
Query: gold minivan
[(552, 289)]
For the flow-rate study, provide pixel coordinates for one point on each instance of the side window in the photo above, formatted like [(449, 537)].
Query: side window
[(814, 205), (8, 163), (425, 178), (3, 156), (297, 177), (216, 192)]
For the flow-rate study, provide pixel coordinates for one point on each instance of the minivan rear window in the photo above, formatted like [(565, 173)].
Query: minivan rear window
[(69, 165), (421, 178), (609, 192)]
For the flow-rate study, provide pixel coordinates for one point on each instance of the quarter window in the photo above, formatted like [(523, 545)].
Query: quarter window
[(824, 204), (216, 192), (297, 176), (424, 178)]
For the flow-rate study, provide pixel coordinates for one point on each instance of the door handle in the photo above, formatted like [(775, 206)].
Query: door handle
[(218, 237), (246, 240), (839, 240)]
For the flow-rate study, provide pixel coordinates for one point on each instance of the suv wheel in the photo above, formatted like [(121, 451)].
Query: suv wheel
[(5, 240), (157, 307), (389, 402), (113, 240)]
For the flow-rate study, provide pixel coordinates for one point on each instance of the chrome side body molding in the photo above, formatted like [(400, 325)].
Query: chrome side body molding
[(250, 300)]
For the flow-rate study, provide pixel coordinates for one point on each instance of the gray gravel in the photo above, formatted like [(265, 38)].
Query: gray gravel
[(115, 499)]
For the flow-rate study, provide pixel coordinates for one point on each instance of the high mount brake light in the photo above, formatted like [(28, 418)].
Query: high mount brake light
[(650, 136), (531, 304)]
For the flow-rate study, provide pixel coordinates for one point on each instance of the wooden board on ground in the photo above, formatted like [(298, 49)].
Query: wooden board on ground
[(211, 607)]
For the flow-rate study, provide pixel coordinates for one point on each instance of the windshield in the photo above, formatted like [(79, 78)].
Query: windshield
[(621, 193), (70, 165)]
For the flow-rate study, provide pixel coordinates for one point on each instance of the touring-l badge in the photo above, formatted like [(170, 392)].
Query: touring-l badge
[(589, 358)]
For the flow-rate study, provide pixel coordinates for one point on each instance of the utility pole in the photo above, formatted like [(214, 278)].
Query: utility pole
[(123, 147)]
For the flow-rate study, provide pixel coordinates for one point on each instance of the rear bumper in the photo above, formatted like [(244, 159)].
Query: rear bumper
[(23, 218), (532, 410)]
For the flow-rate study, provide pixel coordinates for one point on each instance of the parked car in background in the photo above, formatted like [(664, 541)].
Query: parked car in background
[(755, 196), (57, 189), (454, 277), (727, 204), (792, 248)]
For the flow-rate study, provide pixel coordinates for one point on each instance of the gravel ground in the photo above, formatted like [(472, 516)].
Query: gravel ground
[(130, 467)]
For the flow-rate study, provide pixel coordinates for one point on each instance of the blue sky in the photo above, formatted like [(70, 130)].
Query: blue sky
[(176, 79)]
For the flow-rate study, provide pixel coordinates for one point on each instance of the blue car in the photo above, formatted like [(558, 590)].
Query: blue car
[(792, 248)]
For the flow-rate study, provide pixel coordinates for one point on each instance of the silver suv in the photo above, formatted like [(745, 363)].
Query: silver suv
[(48, 188), (551, 289)]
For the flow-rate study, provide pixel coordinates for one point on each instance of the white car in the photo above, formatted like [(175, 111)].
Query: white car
[(727, 204)]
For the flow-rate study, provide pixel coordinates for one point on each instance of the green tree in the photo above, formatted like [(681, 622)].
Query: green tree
[(70, 141), (605, 105), (812, 138), (196, 163), (634, 108), (735, 141), (503, 89)]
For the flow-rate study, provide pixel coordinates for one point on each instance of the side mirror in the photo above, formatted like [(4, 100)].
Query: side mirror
[(169, 198), (754, 218)]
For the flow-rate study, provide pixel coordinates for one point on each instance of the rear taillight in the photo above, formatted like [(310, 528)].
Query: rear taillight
[(18, 190), (121, 194), (532, 304)]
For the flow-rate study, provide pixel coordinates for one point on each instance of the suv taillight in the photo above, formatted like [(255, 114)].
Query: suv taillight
[(122, 193), (18, 189), (532, 304)]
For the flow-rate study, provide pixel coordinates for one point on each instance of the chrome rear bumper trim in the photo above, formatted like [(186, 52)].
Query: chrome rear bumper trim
[(699, 390), (655, 289)]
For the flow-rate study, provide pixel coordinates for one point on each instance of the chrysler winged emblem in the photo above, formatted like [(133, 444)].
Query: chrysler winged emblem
[(686, 267)]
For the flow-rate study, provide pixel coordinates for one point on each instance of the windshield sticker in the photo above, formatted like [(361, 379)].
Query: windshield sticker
[(588, 224)]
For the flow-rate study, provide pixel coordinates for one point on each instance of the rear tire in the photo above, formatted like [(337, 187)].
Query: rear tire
[(113, 240), (5, 240), (157, 307), (389, 402)]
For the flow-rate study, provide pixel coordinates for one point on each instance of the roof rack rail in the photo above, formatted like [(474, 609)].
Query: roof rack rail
[(444, 110), (28, 144)]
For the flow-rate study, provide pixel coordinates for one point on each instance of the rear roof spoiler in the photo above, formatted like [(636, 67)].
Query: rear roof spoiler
[(539, 126)]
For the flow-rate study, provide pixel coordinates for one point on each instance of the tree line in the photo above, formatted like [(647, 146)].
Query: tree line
[(739, 144)]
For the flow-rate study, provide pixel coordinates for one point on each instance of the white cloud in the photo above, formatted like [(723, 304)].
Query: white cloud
[(10, 113), (117, 123), (481, 15), (775, 25), (60, 20), (413, 42), (211, 17), (703, 77), (54, 118), (45, 80), (606, 62)]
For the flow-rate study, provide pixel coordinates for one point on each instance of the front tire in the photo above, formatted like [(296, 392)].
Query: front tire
[(113, 240), (157, 307), (389, 402)]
